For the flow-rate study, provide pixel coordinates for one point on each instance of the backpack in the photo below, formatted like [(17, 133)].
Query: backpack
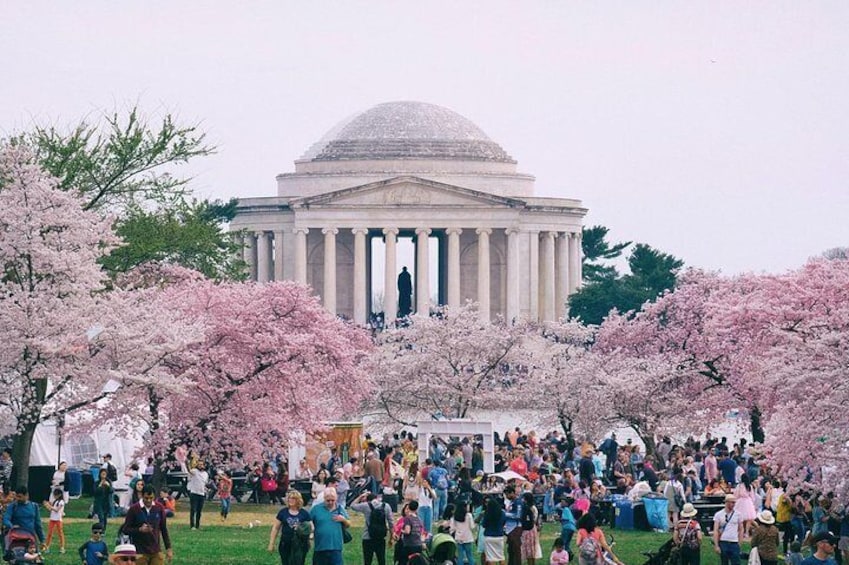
[(442, 482), (690, 538), (377, 522), (590, 551)]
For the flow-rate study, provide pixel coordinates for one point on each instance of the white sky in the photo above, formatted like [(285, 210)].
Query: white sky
[(716, 131)]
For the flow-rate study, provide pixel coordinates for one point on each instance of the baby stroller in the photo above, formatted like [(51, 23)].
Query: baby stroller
[(667, 554), (441, 550), (17, 541)]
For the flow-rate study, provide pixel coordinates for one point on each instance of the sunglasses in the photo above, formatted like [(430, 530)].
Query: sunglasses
[(127, 559)]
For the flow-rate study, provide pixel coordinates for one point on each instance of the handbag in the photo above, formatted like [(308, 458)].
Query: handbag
[(346, 535)]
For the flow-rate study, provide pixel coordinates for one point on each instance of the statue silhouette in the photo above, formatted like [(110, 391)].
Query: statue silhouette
[(405, 293)]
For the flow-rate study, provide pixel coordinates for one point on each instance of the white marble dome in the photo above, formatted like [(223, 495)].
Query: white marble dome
[(406, 130)]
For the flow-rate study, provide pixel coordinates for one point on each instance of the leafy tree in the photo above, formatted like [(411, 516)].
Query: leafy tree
[(652, 273), (121, 161), (596, 249), (188, 234)]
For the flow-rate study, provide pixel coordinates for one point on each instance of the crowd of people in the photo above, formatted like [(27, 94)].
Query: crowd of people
[(571, 484)]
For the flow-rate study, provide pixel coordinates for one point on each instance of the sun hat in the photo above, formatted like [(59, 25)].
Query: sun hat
[(766, 517), (730, 498), (688, 511), (125, 549)]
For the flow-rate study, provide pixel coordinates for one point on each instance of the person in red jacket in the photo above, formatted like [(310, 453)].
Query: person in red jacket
[(145, 523)]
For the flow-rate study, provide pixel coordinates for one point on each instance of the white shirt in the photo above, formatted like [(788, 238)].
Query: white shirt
[(728, 524), (197, 480), (57, 509)]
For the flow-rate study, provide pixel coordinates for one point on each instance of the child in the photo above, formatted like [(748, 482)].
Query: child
[(559, 556), (795, 557), (57, 510), (168, 503), (94, 551), (32, 555), (225, 487)]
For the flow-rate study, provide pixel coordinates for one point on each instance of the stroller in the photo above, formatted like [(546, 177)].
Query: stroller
[(441, 550), (16, 543), (667, 554)]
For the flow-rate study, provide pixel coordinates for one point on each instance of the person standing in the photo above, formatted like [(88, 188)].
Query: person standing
[(462, 526), (198, 477), (328, 520), (727, 532), (56, 507), (765, 538), (513, 525), (23, 514), (6, 466), (225, 490), (438, 479), (378, 523), (294, 525), (103, 498), (145, 523), (823, 545), (412, 533), (687, 535)]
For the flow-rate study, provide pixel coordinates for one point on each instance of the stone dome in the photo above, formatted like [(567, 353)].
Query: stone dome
[(407, 130)]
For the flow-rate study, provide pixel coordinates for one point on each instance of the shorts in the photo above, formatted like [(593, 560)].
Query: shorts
[(151, 559)]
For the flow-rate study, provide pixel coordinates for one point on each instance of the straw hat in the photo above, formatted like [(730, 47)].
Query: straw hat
[(766, 517), (689, 511), (125, 549)]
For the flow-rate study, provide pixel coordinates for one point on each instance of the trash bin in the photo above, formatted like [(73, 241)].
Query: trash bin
[(75, 482), (624, 514), (656, 511)]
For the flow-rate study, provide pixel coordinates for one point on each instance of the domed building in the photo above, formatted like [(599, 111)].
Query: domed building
[(419, 171)]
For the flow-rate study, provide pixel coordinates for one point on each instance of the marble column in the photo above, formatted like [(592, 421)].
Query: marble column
[(561, 279), (330, 269), (422, 276), (533, 275), (279, 255), (574, 262), (250, 254), (453, 267), (263, 253), (360, 275), (301, 254), (484, 304), (547, 274), (512, 306), (390, 288)]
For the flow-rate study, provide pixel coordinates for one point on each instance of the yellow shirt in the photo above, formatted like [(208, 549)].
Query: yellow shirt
[(784, 510)]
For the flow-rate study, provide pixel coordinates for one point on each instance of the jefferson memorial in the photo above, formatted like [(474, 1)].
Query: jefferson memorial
[(418, 171)]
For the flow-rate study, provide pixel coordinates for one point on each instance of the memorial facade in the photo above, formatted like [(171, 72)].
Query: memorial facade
[(419, 171)]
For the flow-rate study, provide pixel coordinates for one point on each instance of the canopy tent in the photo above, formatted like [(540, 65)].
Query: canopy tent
[(456, 428), (508, 475)]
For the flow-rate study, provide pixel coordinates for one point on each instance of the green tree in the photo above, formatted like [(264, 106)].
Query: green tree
[(652, 273), (188, 234), (597, 249), (124, 165)]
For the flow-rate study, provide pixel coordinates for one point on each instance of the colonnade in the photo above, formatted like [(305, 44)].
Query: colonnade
[(549, 274)]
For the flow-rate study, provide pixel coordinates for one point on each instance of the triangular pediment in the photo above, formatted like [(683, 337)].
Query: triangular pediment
[(406, 191)]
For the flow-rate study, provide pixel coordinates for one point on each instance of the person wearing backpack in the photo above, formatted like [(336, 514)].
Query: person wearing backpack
[(24, 514), (378, 524), (592, 545), (687, 535)]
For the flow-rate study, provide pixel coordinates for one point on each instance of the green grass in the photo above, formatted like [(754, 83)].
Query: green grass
[(237, 543)]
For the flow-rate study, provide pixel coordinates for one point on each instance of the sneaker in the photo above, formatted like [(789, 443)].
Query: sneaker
[(61, 550)]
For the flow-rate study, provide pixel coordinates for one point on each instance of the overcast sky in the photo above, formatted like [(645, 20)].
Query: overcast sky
[(715, 131)]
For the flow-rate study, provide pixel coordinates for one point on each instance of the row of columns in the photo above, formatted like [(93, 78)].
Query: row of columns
[(554, 268)]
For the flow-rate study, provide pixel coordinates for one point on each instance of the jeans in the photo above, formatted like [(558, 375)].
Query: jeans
[(465, 555), (329, 557), (225, 507), (374, 548), (566, 536), (426, 516), (514, 546), (440, 503), (729, 553), (195, 509)]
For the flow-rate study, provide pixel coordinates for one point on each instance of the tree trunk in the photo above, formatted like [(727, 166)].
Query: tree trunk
[(756, 425), (21, 454), (566, 424)]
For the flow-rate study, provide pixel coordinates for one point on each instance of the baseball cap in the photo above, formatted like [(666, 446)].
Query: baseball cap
[(826, 536)]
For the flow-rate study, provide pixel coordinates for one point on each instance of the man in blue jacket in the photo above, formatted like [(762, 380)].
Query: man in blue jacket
[(24, 514)]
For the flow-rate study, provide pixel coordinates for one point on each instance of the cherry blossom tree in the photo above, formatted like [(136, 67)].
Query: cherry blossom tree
[(273, 362), (565, 380), (448, 365)]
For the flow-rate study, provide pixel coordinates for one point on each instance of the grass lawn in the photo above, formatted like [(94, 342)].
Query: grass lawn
[(243, 539)]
